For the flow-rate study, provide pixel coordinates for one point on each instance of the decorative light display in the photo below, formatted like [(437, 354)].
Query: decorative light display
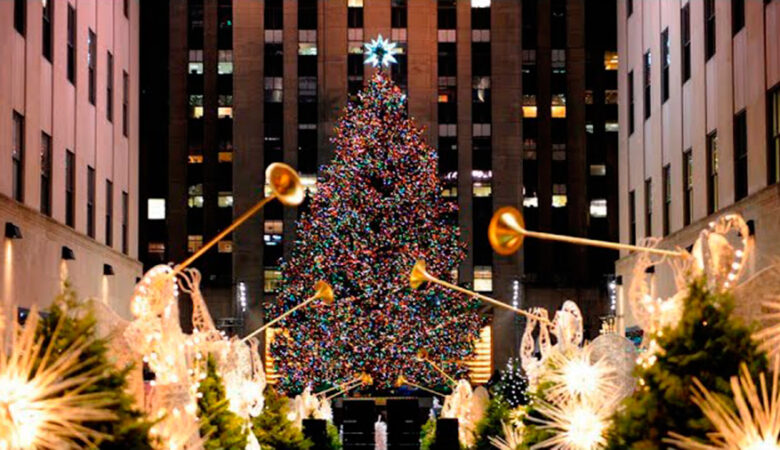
[(770, 336), (575, 376), (753, 425), (43, 403), (377, 210), (513, 384), (380, 52), (576, 424), (469, 407)]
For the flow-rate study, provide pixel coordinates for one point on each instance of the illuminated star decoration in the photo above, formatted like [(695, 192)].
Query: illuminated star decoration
[(574, 425), (380, 52)]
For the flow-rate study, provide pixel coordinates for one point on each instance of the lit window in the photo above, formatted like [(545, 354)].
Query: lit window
[(225, 62), (559, 198), (273, 89), (588, 97), (480, 3), (156, 248), (531, 201), (194, 242), (481, 89), (449, 191), (196, 62), (307, 49), (598, 170), (448, 130), (225, 199), (195, 159), (529, 106), (480, 129), (611, 96), (195, 193), (589, 127), (446, 35), (309, 183), (155, 209), (225, 157), (598, 207), (196, 106), (273, 36), (354, 3), (225, 100), (309, 36), (480, 35), (558, 108), (272, 280), (225, 247), (272, 239), (611, 127), (273, 227), (482, 189), (610, 60), (558, 60), (225, 112), (483, 278), (398, 35)]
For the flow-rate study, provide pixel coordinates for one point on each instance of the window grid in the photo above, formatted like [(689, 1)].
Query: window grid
[(45, 174), (666, 61), (773, 128), (667, 175), (17, 157), (110, 87), (712, 172), (709, 29), (648, 207), (740, 156), (109, 213), (46, 28), (90, 202), (70, 183), (20, 16), (687, 187), (91, 64), (685, 38), (646, 79), (631, 105), (632, 217), (71, 44)]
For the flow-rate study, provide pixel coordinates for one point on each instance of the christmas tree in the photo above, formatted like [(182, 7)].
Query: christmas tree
[(76, 320), (708, 344), (219, 427), (378, 208), (274, 430)]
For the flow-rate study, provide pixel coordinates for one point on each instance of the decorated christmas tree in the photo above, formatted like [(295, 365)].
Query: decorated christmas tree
[(219, 427), (708, 344), (274, 430), (377, 209)]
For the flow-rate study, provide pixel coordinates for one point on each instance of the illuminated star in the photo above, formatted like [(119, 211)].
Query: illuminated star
[(380, 52)]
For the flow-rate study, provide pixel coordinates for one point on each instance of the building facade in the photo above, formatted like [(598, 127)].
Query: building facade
[(254, 82), (69, 150), (699, 123)]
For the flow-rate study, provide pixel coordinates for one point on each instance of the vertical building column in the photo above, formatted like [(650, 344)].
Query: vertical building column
[(332, 72), (290, 109), (507, 159), (576, 157), (176, 214), (422, 67), (210, 143), (248, 164), (465, 182)]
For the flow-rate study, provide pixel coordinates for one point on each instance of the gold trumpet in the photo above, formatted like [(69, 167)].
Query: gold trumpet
[(420, 275), (322, 290), (285, 186), (507, 231), (365, 379), (403, 381)]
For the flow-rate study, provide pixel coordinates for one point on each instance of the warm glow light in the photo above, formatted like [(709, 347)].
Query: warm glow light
[(40, 404), (576, 377), (529, 112), (575, 425), (770, 336)]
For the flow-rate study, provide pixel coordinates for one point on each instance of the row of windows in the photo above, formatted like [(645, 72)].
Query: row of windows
[(740, 167), (18, 183)]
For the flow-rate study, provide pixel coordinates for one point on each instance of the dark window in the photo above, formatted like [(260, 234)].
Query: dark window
[(70, 188), (629, 7), (667, 198), (126, 8), (48, 17), (447, 59), (740, 156), (17, 157), (632, 218), (398, 14), (109, 213), (125, 104), (712, 172), (687, 187), (447, 18), (71, 52), (480, 58), (529, 26), (631, 102), (737, 15), (45, 174), (685, 41), (125, 222), (274, 62), (709, 29), (195, 34), (307, 14), (20, 16), (110, 87), (648, 207), (773, 128), (92, 64), (480, 18), (225, 24), (666, 61), (273, 15), (646, 77), (90, 202), (355, 17), (558, 24)]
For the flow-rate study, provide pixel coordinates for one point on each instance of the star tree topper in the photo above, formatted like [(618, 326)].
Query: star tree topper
[(380, 52)]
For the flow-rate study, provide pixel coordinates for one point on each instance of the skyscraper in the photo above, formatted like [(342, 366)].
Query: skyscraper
[(516, 96)]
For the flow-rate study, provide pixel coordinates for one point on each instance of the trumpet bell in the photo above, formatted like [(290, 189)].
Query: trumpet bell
[(418, 275), (400, 381), (285, 184), (323, 291), (422, 354), (505, 231)]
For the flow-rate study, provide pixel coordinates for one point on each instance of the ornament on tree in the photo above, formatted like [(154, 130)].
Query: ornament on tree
[(378, 208)]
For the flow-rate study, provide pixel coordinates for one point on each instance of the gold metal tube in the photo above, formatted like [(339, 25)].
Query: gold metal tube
[(597, 243), (282, 316)]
